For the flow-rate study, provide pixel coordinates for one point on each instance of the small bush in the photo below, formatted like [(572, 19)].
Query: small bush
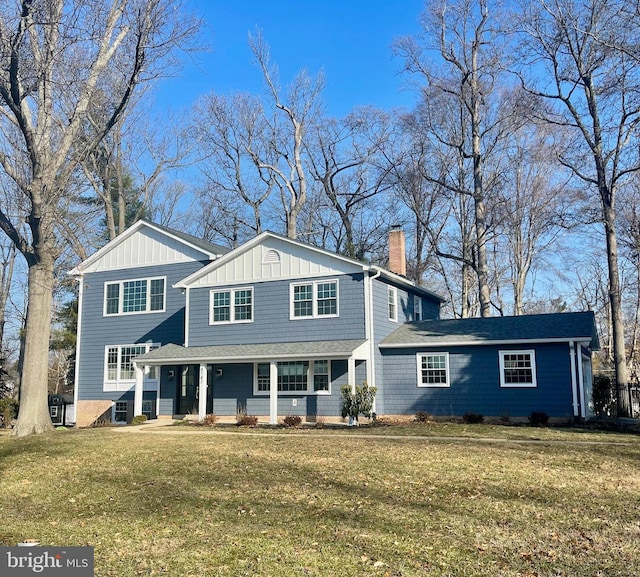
[(472, 418), (209, 420), (247, 421), (139, 420), (422, 417), (504, 419), (538, 418), (292, 421), (8, 411)]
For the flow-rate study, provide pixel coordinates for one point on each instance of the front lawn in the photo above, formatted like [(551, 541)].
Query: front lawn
[(192, 502)]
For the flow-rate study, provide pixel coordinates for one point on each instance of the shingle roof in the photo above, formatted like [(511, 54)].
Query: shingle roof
[(176, 353), (194, 240), (531, 328)]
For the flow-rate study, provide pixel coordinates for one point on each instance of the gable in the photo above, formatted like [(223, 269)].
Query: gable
[(271, 257), (143, 245)]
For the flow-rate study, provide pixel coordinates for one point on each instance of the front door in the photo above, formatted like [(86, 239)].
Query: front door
[(187, 390)]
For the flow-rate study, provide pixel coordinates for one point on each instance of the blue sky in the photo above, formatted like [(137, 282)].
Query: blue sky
[(349, 39)]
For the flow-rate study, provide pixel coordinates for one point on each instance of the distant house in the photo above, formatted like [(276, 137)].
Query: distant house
[(171, 325)]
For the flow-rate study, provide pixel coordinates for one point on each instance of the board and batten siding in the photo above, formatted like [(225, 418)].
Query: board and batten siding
[(99, 331), (271, 315), (474, 373)]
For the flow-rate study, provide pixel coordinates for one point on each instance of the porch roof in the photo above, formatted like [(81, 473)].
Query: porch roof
[(177, 354)]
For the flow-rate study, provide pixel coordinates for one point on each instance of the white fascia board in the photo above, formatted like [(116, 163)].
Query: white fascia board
[(518, 342), (254, 242), (79, 269), (405, 282), (245, 358)]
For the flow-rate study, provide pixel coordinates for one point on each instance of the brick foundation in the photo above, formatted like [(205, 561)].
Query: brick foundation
[(88, 412)]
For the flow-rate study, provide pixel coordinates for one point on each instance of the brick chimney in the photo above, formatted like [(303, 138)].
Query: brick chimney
[(397, 250)]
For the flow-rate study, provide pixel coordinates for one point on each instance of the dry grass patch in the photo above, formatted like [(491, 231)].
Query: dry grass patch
[(204, 504)]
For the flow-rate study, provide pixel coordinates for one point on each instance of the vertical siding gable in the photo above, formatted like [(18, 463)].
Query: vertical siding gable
[(146, 247), (258, 263)]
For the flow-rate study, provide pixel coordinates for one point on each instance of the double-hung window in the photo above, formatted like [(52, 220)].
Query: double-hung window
[(314, 299), (297, 377), (134, 296), (518, 369), (119, 371), (417, 308), (231, 306), (433, 369), (392, 303)]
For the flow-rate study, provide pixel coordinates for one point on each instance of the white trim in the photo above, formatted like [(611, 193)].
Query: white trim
[(417, 300), (314, 299), (583, 396), (420, 382), (119, 384), (202, 391), (310, 378), (515, 342), (532, 356), (120, 284), (391, 290), (574, 380), (232, 305), (81, 268), (187, 304), (76, 380)]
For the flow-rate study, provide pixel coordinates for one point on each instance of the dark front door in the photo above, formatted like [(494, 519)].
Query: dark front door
[(187, 389)]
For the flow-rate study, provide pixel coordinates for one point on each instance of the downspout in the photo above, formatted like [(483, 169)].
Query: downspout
[(369, 332), (186, 317), (574, 382), (76, 378), (583, 400)]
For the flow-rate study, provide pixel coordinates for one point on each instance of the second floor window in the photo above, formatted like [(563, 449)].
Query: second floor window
[(392, 300), (314, 299), (134, 296), (231, 306)]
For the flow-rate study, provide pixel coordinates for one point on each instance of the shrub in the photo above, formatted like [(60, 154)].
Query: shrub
[(357, 402), (472, 418), (538, 418), (8, 411), (139, 420), (603, 396), (246, 420), (209, 420), (422, 417), (292, 421)]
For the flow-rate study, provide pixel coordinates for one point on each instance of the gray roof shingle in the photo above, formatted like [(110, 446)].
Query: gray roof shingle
[(540, 328), (176, 353)]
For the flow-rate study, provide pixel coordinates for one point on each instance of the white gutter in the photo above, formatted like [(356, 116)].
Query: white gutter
[(441, 343), (186, 318), (574, 382), (76, 378), (369, 333)]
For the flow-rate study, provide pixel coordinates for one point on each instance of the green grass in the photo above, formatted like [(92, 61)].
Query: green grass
[(185, 501)]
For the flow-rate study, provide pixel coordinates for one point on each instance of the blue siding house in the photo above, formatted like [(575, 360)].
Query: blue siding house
[(170, 325)]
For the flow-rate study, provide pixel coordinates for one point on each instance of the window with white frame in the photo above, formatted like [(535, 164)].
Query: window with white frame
[(119, 371), (134, 296), (392, 302), (518, 369), (433, 369), (317, 299), (231, 306), (417, 308), (120, 412), (303, 377)]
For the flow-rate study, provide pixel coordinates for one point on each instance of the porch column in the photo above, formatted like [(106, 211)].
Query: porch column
[(351, 372), (202, 393), (137, 395), (273, 393)]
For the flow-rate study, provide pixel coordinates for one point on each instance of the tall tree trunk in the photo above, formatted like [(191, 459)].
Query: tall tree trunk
[(33, 417), (617, 322)]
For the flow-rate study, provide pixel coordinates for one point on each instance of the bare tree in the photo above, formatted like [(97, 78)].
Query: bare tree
[(287, 140), (587, 62), (55, 56), (466, 34)]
